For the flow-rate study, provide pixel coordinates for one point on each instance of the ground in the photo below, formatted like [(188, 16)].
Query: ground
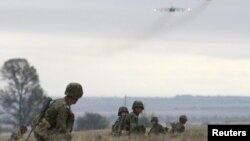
[(193, 133)]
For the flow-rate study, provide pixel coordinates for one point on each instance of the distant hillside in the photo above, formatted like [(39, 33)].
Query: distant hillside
[(198, 108)]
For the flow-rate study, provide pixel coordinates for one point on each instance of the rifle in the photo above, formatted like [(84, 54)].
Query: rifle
[(41, 115)]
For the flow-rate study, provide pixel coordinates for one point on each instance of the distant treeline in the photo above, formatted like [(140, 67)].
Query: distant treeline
[(198, 108)]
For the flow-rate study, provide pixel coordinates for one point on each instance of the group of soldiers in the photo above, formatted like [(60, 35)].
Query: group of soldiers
[(127, 123), (55, 122)]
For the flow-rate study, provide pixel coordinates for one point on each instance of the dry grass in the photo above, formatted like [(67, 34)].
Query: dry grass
[(193, 133)]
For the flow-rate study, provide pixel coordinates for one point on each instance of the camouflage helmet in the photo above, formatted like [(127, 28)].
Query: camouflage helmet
[(138, 104), (22, 127), (74, 90), (183, 119), (154, 119), (122, 109)]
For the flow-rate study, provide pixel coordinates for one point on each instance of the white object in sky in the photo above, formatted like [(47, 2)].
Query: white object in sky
[(172, 9)]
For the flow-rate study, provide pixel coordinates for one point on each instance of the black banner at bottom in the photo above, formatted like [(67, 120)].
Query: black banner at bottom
[(227, 132)]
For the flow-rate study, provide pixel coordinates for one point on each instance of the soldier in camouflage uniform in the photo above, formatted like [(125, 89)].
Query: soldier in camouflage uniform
[(157, 128), (131, 121), (19, 136), (58, 121), (179, 127), (118, 127)]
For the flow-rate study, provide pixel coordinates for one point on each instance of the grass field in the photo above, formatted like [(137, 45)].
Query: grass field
[(193, 133)]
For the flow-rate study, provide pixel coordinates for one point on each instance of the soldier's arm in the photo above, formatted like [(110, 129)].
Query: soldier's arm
[(133, 123), (122, 122), (115, 125), (126, 123), (62, 117), (70, 123)]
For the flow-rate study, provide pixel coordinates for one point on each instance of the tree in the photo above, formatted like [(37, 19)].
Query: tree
[(23, 97), (91, 121)]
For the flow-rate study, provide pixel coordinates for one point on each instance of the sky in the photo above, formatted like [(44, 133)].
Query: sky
[(118, 47)]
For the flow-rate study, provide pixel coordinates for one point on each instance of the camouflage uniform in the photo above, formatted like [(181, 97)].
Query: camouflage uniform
[(18, 136), (179, 127), (58, 121), (131, 121), (157, 128), (118, 126)]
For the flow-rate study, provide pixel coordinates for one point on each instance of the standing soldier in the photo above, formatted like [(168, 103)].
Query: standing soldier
[(58, 120), (131, 121), (156, 127), (19, 136), (119, 124), (179, 127)]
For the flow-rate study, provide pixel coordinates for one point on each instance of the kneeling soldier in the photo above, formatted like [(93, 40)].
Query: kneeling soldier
[(179, 127), (156, 127), (58, 120), (131, 122), (118, 127)]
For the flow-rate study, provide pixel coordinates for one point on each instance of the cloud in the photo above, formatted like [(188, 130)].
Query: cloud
[(160, 68)]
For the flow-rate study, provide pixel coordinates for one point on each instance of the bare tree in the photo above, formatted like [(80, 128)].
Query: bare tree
[(23, 96)]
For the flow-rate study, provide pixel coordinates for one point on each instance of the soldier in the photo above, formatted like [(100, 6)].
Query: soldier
[(58, 120), (19, 136), (119, 124), (131, 121), (156, 127), (179, 127)]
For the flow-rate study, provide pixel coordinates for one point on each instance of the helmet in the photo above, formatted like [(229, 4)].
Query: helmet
[(183, 119), (155, 119), (138, 104), (122, 109), (74, 90)]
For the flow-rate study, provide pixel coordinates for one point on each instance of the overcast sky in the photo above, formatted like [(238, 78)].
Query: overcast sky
[(117, 47)]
